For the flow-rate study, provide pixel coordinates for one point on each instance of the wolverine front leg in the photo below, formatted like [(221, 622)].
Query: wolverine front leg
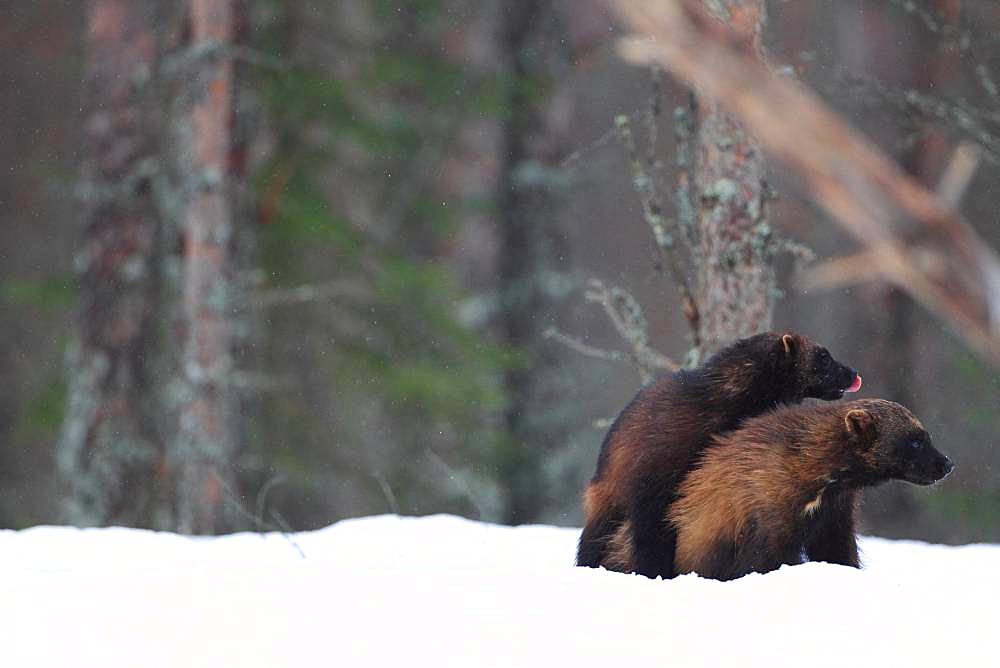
[(833, 538)]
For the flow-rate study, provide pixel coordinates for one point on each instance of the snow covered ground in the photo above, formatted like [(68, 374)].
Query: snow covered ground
[(444, 591)]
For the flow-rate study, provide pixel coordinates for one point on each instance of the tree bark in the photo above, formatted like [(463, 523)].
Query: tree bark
[(110, 453), (529, 244), (736, 280), (205, 441)]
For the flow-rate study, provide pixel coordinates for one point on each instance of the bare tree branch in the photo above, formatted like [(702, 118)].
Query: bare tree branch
[(961, 118), (958, 175), (579, 346), (951, 37), (280, 525), (461, 483), (626, 315), (653, 117), (600, 142), (684, 165), (390, 496), (987, 81), (664, 231), (863, 267), (628, 320)]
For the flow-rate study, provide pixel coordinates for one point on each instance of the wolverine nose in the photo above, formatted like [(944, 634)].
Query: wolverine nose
[(947, 467)]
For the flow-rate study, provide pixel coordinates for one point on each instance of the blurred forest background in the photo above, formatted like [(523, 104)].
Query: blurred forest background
[(274, 263)]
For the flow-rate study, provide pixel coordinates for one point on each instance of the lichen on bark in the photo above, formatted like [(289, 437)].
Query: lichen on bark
[(110, 451), (733, 255)]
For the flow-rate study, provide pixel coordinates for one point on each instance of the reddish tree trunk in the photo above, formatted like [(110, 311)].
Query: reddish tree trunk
[(735, 270), (205, 439)]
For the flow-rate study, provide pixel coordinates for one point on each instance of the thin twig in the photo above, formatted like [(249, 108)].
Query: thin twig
[(459, 480), (265, 489), (960, 117), (181, 62), (951, 36), (601, 141), (259, 521), (252, 382), (801, 254), (386, 491), (653, 117), (286, 530), (579, 346), (308, 293), (652, 211), (626, 315), (987, 81), (684, 165)]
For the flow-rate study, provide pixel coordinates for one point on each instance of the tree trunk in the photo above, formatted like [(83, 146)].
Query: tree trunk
[(205, 441), (109, 451), (735, 269), (529, 245)]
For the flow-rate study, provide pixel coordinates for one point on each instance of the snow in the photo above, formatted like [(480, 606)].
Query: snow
[(445, 591)]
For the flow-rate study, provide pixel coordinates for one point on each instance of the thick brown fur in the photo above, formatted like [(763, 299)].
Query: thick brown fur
[(656, 439), (785, 486)]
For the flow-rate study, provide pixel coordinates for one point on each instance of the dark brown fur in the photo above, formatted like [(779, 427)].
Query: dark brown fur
[(785, 486), (655, 440)]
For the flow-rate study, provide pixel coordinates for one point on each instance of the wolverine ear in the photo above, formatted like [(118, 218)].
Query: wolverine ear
[(860, 422), (788, 341)]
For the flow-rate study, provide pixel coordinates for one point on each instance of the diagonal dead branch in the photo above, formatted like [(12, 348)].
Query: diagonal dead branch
[(864, 266), (958, 174)]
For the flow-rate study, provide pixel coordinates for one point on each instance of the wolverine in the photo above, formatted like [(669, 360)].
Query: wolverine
[(785, 486), (655, 440)]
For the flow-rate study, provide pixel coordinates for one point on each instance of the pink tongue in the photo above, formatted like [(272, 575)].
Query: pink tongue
[(856, 385)]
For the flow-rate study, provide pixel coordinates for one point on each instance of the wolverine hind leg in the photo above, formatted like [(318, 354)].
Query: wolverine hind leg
[(602, 520), (654, 540), (597, 533)]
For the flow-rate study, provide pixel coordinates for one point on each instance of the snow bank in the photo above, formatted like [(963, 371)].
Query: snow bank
[(444, 591)]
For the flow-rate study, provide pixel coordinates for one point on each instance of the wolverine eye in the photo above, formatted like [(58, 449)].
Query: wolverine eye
[(823, 357), (915, 445)]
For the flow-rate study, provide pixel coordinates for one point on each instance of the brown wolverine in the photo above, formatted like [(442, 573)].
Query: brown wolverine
[(656, 439), (784, 487)]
